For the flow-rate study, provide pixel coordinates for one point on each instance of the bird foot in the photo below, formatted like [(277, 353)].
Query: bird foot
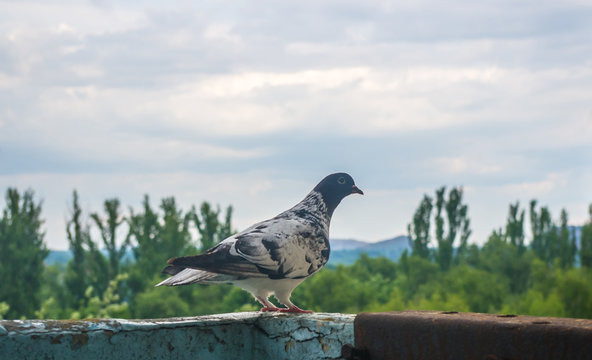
[(268, 309), (295, 310)]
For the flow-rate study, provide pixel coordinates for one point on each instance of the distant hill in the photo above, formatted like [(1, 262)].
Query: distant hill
[(348, 251), (58, 257), (62, 256), (348, 244)]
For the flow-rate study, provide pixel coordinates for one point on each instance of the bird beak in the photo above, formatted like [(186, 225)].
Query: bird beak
[(356, 190)]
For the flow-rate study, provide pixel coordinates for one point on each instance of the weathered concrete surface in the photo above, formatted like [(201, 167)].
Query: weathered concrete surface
[(250, 335), (452, 335)]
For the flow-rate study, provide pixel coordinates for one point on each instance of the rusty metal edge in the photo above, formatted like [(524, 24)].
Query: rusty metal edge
[(452, 335)]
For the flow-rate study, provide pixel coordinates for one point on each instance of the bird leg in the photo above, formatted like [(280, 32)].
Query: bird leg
[(284, 298), (267, 306)]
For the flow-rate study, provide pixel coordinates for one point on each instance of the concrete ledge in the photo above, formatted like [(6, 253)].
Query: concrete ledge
[(250, 335)]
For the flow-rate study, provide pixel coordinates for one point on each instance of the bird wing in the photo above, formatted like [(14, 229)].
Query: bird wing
[(276, 248), (186, 276)]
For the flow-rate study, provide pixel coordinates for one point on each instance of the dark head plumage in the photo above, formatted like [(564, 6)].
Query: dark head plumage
[(335, 187)]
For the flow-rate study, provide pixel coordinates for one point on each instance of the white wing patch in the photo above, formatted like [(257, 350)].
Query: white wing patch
[(280, 248)]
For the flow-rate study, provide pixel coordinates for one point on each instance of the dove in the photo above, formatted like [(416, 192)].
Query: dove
[(274, 256)]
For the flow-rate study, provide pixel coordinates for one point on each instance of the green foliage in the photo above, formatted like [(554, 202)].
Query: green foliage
[(108, 305), (586, 242), (543, 236), (57, 300), (551, 242), (22, 251), (501, 257), (458, 227), (4, 307), (481, 291), (419, 230), (515, 227), (458, 224), (574, 287), (88, 267), (567, 246), (108, 230), (536, 303), (159, 303), (210, 229), (502, 276), (155, 239)]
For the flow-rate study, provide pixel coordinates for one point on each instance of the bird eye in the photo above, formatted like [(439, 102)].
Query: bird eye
[(341, 180)]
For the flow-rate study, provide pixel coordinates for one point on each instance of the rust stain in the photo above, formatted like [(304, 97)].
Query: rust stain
[(325, 347), (288, 345), (57, 339), (79, 340)]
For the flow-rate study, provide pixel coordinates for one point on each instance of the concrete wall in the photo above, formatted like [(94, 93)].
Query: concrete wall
[(250, 335)]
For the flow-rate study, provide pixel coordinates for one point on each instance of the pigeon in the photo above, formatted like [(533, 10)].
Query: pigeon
[(274, 256)]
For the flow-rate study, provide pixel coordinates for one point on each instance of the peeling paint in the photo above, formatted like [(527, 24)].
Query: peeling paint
[(251, 335)]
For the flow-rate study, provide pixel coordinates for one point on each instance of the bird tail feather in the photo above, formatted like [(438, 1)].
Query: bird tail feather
[(183, 276)]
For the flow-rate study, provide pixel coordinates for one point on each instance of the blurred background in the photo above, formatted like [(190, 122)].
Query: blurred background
[(138, 131)]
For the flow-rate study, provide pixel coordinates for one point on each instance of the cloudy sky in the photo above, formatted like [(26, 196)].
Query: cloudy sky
[(252, 103)]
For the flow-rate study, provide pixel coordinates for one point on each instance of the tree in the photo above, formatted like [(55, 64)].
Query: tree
[(439, 220), (500, 256), (543, 233), (567, 250), (457, 221), (174, 233), (154, 241), (586, 242), (108, 230), (76, 279), (22, 252), (515, 227), (458, 224), (143, 237), (4, 307), (419, 230), (211, 230), (88, 267)]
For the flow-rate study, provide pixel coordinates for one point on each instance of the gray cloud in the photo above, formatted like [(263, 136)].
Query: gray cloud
[(405, 96)]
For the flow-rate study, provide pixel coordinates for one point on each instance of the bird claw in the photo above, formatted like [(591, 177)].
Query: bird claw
[(295, 310), (269, 309)]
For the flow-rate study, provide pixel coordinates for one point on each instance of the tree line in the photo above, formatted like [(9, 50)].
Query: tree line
[(550, 276)]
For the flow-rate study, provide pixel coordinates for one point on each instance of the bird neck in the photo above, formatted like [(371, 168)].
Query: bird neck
[(315, 205)]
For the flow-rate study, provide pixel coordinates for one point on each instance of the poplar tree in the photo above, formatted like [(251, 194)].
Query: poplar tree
[(566, 243), (419, 229), (22, 252), (108, 227), (88, 267), (458, 225), (452, 226), (586, 242), (515, 227), (543, 233)]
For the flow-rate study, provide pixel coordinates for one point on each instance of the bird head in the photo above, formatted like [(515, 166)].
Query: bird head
[(335, 187)]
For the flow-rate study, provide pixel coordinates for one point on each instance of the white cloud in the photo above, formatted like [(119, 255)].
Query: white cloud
[(410, 95), (222, 32), (460, 165)]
